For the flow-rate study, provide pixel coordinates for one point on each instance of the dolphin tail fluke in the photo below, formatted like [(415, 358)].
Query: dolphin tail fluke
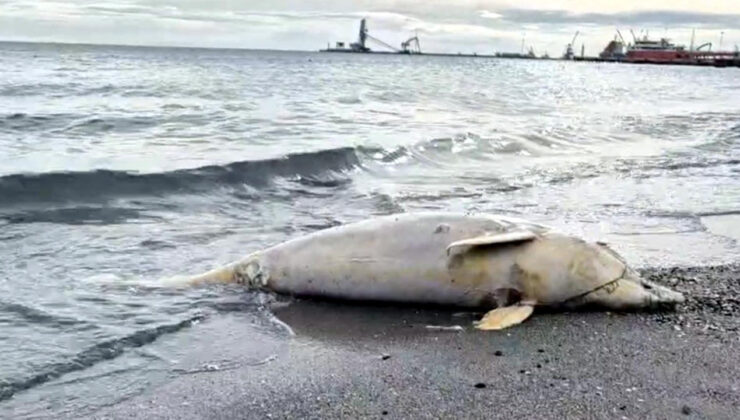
[(245, 271), (226, 274)]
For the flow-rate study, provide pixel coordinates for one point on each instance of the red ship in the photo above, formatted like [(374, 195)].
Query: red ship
[(665, 52)]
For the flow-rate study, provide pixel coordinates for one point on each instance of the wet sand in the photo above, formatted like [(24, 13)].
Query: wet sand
[(361, 361)]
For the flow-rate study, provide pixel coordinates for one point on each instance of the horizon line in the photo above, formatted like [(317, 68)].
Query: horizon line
[(104, 44), (90, 44)]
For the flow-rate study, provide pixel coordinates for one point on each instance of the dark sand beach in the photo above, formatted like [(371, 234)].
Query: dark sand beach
[(350, 361)]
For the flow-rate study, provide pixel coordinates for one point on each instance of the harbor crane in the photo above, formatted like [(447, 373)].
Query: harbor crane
[(413, 43), (376, 40), (569, 55), (361, 39), (364, 36), (621, 37), (410, 46)]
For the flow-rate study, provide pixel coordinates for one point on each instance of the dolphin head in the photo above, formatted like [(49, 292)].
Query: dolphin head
[(627, 291), (558, 270)]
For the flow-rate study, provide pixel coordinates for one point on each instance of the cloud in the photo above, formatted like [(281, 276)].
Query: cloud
[(652, 17), (487, 14)]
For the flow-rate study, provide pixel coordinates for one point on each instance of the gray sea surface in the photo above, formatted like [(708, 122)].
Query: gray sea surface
[(123, 164)]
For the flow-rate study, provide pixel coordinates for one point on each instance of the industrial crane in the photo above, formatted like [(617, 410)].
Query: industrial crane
[(621, 37), (569, 55), (372, 38), (410, 46), (362, 38), (413, 42)]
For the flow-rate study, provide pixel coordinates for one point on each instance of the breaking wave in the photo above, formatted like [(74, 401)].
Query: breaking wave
[(316, 168), (323, 168)]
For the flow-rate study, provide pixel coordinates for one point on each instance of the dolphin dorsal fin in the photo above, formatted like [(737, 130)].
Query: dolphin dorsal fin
[(493, 239)]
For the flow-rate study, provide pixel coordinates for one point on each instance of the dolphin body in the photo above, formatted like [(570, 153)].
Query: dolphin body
[(500, 263)]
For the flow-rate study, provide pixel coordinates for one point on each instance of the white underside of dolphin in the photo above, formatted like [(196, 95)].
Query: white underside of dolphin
[(506, 264)]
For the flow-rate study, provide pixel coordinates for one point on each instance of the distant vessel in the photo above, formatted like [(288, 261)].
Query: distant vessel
[(645, 50), (615, 50), (663, 51)]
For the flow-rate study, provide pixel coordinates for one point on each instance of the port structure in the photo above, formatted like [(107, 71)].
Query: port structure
[(642, 50), (361, 45), (569, 54), (411, 45)]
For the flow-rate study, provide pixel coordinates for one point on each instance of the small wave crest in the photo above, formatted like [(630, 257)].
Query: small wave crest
[(20, 122), (325, 167), (28, 314), (440, 150), (75, 216), (92, 355)]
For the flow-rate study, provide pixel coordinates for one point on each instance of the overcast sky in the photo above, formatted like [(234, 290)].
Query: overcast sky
[(482, 26)]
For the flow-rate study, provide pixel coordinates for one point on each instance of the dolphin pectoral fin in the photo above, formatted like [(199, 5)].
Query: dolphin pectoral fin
[(500, 238), (505, 317)]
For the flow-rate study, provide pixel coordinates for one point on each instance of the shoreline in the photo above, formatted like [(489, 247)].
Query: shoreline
[(363, 361)]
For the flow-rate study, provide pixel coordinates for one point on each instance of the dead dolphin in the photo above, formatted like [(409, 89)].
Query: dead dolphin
[(487, 261)]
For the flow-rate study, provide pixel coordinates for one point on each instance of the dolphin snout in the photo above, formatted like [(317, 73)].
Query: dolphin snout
[(661, 296), (631, 292)]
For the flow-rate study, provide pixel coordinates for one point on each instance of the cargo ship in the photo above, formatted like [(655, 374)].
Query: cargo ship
[(663, 51)]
